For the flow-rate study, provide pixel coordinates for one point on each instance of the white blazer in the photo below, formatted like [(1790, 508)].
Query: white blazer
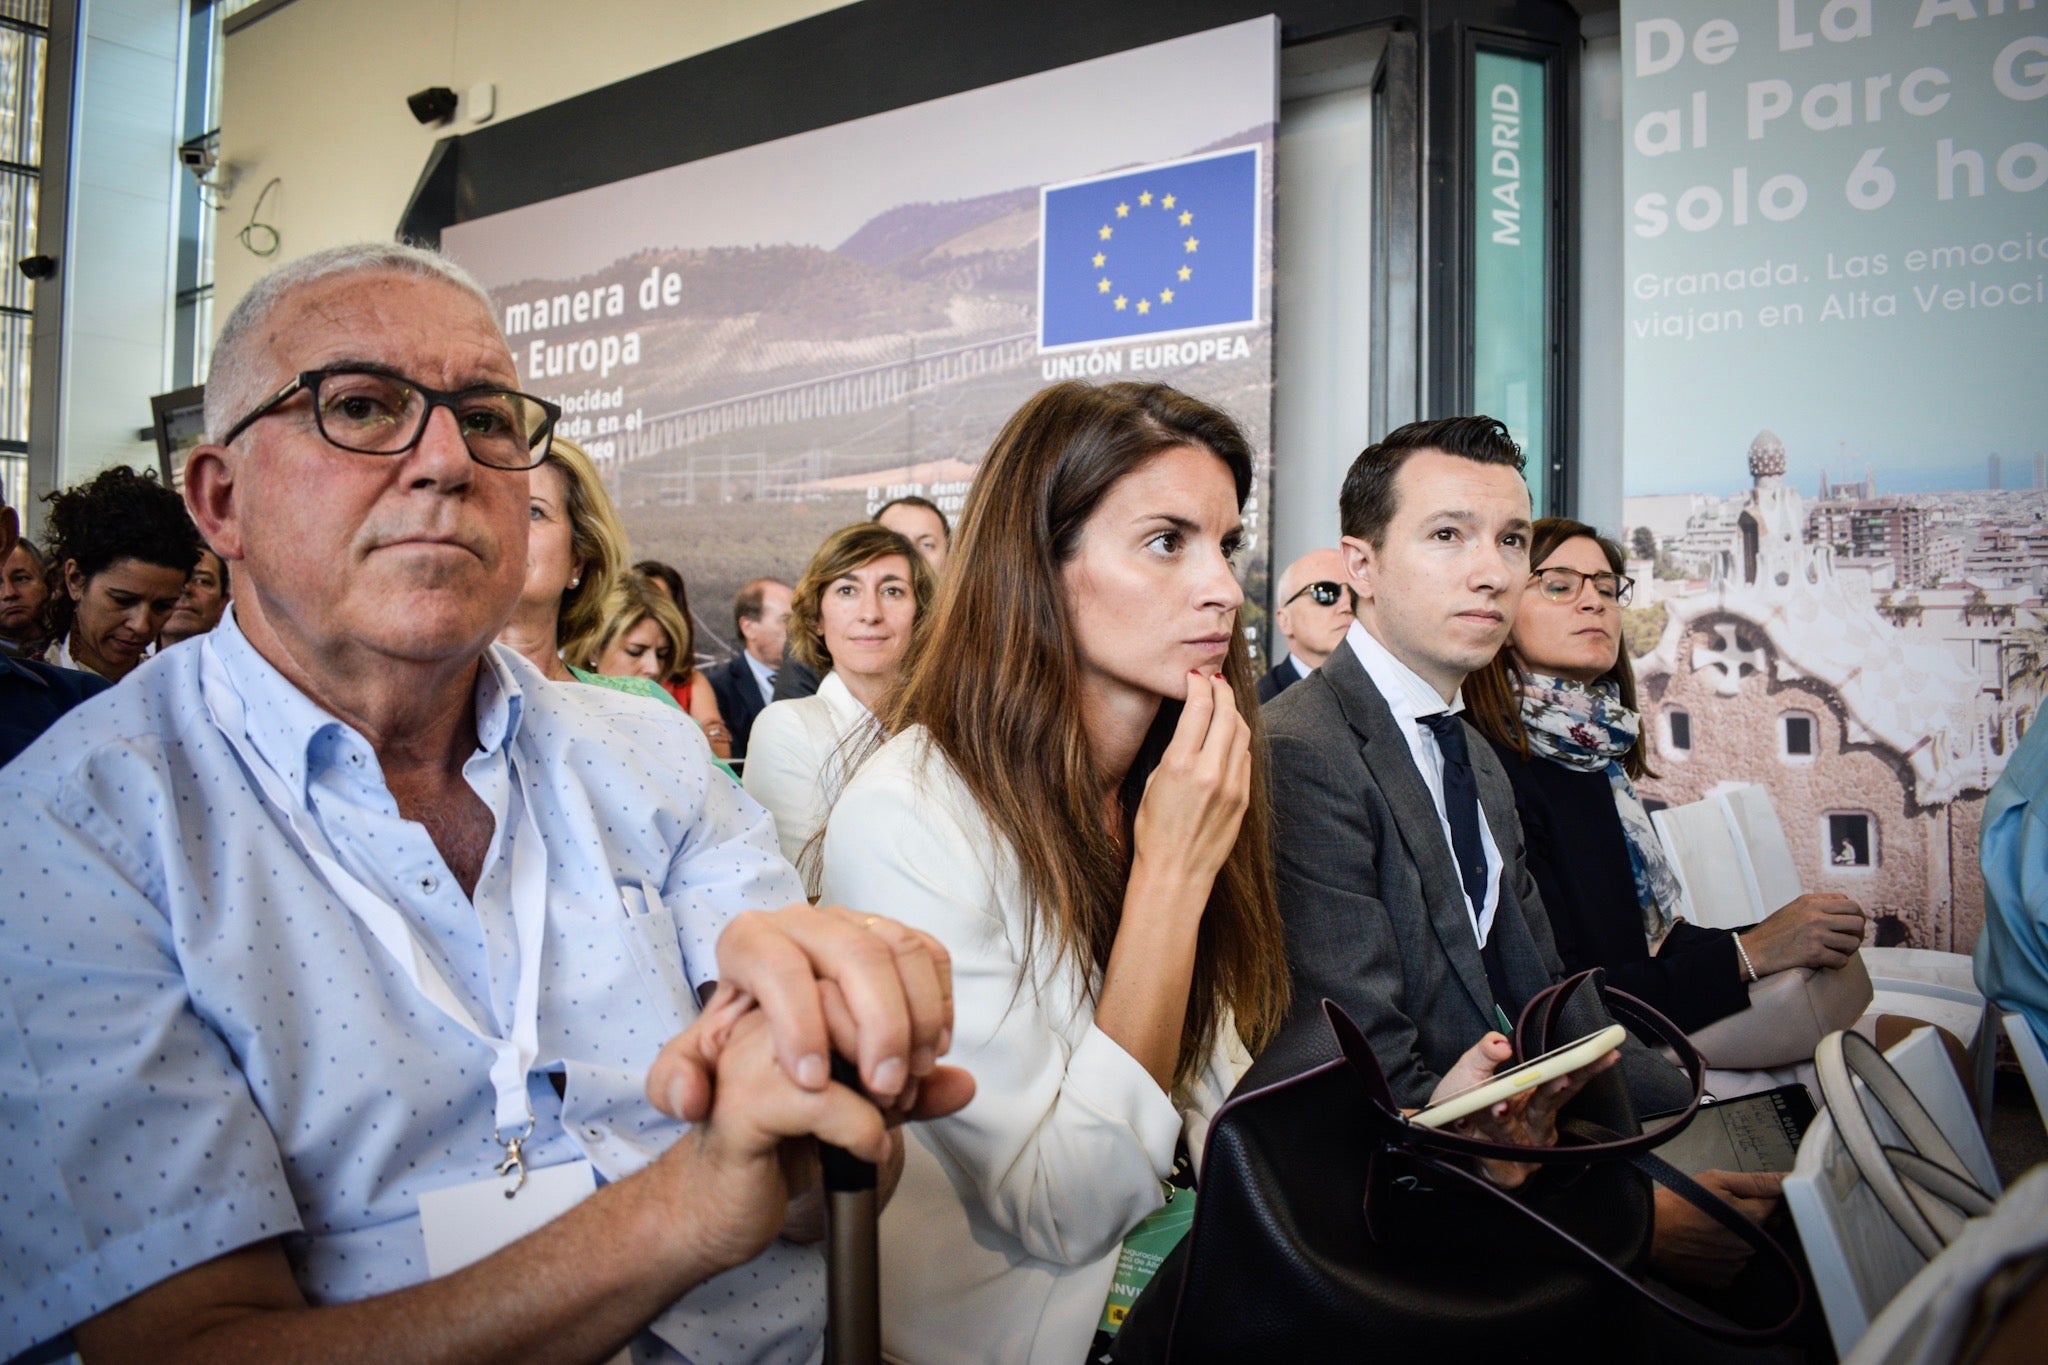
[(1001, 1240), (796, 756)]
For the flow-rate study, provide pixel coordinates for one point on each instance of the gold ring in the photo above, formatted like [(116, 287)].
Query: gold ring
[(871, 921)]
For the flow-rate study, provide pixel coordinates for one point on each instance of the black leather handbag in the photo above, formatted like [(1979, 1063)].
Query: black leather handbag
[(1331, 1228)]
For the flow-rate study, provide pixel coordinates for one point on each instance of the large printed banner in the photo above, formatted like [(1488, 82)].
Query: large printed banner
[(1836, 425), (762, 346)]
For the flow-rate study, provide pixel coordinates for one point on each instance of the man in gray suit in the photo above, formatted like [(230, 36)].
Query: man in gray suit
[(1400, 865)]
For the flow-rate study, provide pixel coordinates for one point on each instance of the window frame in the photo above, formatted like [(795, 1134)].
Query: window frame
[(1668, 745), (1872, 844), (1812, 722)]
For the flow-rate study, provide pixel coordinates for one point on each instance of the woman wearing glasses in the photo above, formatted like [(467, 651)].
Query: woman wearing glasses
[(1559, 705)]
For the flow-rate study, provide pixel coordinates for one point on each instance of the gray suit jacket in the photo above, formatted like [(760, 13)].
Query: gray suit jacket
[(1376, 920)]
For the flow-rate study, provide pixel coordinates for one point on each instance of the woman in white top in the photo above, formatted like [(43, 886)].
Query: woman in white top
[(851, 618), (1068, 806)]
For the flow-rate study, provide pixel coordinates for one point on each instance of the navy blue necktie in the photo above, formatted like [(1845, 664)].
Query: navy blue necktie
[(1461, 805)]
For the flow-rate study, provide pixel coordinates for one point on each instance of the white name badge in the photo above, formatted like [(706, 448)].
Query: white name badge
[(465, 1223)]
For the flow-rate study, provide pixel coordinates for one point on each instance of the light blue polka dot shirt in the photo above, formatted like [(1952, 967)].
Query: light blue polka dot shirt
[(201, 1047)]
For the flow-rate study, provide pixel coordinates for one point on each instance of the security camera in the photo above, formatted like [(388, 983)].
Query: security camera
[(37, 267), (197, 158), (435, 104)]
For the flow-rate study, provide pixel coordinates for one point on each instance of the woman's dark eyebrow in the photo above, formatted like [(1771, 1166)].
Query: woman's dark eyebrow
[(1183, 524)]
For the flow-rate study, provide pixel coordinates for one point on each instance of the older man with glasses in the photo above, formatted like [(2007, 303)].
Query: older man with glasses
[(1314, 612), (339, 979)]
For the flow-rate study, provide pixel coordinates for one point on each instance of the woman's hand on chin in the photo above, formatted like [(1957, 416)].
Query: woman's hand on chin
[(1195, 799)]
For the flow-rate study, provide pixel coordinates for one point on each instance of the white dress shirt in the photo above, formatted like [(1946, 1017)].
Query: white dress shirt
[(202, 1047), (797, 758), (764, 678), (1003, 1236), (58, 655), (1301, 670), (1410, 698)]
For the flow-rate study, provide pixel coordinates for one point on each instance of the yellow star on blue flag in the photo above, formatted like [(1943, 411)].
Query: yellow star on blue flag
[(1151, 250)]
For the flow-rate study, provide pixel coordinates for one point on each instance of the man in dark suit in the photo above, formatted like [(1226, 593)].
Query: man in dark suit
[(1401, 873), (745, 683), (1314, 613)]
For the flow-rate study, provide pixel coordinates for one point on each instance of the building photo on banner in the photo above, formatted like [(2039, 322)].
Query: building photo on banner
[(1836, 430), (765, 345)]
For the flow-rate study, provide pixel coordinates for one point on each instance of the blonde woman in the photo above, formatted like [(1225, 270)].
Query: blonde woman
[(575, 556), (642, 641)]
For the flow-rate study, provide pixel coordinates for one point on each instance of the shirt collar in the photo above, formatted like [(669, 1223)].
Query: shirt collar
[(846, 709), (298, 739), (1407, 694), (764, 676), (60, 657), (1301, 670), (501, 696)]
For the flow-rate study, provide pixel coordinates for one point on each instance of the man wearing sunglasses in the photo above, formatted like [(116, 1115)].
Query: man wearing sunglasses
[(342, 970), (1314, 613)]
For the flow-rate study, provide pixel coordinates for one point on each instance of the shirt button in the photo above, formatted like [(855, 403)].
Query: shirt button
[(428, 883)]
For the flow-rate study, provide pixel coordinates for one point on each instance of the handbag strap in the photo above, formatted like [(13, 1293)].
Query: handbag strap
[(1532, 1034), (1921, 1185), (1666, 1299)]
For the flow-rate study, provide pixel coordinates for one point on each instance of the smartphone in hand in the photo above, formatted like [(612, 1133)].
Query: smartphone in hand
[(1525, 1076)]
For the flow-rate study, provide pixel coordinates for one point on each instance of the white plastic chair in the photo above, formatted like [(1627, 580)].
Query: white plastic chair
[(1938, 988), (1859, 1257), (1926, 1321), (2026, 1045)]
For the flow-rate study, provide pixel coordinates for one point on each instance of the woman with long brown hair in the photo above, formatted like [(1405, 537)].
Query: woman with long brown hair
[(1069, 804)]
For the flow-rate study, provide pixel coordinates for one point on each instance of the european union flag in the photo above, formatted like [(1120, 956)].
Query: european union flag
[(1164, 249)]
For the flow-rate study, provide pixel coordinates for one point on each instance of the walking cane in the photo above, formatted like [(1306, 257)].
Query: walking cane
[(853, 1286)]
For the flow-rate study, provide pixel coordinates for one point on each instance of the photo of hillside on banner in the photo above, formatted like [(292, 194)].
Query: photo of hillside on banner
[(1836, 430), (765, 345)]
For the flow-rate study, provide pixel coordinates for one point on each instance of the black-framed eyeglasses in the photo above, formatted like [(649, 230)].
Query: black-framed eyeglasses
[(1559, 584), (373, 412), (1323, 593)]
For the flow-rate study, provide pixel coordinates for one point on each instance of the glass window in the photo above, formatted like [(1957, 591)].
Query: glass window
[(202, 196), (1852, 839), (1796, 734), (24, 40), (1677, 731)]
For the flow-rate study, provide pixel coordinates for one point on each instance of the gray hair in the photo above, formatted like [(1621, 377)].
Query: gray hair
[(237, 380)]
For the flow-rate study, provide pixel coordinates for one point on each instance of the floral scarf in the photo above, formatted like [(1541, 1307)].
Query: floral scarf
[(1585, 726)]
